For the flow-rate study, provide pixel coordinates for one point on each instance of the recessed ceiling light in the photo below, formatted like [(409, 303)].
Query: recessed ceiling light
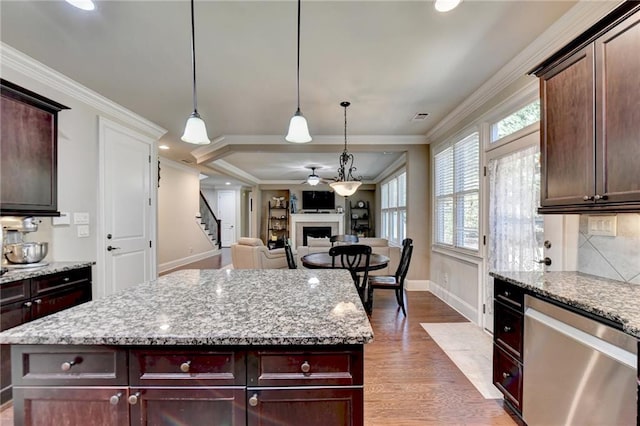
[(446, 5), (164, 147), (82, 4), (227, 183)]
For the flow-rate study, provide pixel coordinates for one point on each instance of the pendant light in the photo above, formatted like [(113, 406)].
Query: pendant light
[(195, 131), (346, 184), (298, 128)]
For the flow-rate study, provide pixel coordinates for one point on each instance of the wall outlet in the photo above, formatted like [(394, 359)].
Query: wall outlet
[(603, 225), (81, 218), (82, 231), (63, 219)]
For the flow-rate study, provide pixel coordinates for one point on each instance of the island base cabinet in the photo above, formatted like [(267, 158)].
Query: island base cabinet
[(222, 406), (37, 406), (310, 407)]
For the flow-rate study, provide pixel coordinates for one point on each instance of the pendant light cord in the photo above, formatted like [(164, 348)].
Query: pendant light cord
[(193, 58), (345, 128), (298, 68)]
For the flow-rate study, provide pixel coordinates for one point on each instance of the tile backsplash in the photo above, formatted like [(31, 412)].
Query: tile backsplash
[(618, 257)]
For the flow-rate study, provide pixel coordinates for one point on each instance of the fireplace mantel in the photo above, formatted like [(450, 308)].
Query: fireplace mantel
[(298, 221)]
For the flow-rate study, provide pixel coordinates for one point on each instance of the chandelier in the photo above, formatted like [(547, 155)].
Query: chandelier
[(346, 184)]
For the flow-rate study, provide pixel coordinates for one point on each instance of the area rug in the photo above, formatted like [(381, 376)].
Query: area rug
[(470, 349)]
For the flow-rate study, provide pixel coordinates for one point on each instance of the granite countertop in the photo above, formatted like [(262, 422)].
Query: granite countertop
[(614, 300), (214, 307), (51, 268)]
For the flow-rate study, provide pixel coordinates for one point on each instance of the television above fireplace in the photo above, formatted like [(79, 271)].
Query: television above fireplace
[(318, 200)]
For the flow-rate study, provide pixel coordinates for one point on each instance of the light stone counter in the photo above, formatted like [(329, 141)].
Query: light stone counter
[(614, 300), (214, 307), (51, 268)]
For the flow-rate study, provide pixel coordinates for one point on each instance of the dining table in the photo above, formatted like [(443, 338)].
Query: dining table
[(323, 260)]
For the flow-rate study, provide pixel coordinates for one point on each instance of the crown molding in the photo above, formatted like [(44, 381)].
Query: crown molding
[(393, 167), (575, 21), (179, 166), (26, 65), (233, 170)]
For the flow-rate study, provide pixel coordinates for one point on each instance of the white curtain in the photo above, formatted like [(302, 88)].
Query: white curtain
[(515, 229)]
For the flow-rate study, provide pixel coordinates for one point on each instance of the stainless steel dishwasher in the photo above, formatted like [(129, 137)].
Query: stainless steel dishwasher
[(577, 371)]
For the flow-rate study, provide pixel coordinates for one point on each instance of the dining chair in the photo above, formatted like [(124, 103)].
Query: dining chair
[(347, 238), (291, 260), (393, 282), (356, 258)]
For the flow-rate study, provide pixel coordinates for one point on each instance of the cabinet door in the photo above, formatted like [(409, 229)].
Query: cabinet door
[(567, 131), (618, 112), (55, 302), (217, 406), (70, 406), (305, 406)]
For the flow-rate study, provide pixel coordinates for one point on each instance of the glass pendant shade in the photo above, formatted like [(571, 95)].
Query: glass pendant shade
[(195, 131), (298, 129), (313, 180), (345, 188), (446, 5)]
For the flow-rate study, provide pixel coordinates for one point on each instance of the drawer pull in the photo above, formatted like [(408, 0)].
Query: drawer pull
[(253, 401), (66, 366), (184, 367), (115, 398), (507, 329), (133, 399), (37, 301), (66, 279), (28, 304), (588, 197), (305, 367), (506, 375), (507, 293)]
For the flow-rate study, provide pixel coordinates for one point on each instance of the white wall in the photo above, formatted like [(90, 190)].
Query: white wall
[(181, 240)]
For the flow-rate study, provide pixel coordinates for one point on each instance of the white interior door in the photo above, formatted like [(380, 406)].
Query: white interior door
[(128, 220), (227, 213)]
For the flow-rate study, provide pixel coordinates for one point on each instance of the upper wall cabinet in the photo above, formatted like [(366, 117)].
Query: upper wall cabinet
[(590, 123), (29, 147)]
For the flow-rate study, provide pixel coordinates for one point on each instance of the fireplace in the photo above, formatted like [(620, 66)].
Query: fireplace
[(315, 232), (334, 221)]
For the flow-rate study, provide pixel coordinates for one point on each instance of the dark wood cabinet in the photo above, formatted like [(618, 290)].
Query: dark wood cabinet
[(508, 330), (29, 143), (25, 300), (590, 119), (215, 385)]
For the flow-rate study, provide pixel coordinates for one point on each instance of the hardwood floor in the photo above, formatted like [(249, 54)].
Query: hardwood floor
[(409, 380), (213, 262)]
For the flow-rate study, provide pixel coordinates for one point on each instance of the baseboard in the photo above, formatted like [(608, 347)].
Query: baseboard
[(454, 301), (417, 285), (164, 267)]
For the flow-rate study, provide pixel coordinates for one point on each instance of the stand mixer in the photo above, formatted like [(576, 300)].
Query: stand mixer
[(16, 252)]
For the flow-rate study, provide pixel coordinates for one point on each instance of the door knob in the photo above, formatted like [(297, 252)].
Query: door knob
[(546, 261), (110, 248)]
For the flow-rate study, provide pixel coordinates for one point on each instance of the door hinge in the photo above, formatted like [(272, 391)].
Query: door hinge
[(484, 308), (485, 170), (149, 201), (149, 243), (149, 159), (484, 240)]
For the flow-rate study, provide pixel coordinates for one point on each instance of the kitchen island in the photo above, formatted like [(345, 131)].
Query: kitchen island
[(229, 346)]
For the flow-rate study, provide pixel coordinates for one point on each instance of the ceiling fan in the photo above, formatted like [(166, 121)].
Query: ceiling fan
[(313, 179)]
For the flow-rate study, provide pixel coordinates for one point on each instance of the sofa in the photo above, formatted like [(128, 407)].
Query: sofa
[(251, 253), (378, 245)]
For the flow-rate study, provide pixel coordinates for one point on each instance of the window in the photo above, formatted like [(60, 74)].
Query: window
[(457, 187), (518, 120), (393, 199)]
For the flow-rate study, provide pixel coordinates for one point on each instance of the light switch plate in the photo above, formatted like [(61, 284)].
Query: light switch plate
[(81, 218), (82, 231), (63, 219), (603, 225)]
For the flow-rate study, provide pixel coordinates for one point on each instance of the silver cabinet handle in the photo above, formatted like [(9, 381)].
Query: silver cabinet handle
[(66, 366), (115, 398), (507, 293), (184, 367), (305, 367), (588, 198), (507, 329), (37, 301), (253, 401), (28, 304), (600, 197), (110, 248), (133, 399), (506, 375)]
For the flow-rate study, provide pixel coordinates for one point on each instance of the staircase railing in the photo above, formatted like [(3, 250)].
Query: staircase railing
[(211, 223)]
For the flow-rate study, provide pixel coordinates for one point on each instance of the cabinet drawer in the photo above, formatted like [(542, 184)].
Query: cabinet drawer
[(508, 293), (507, 376), (59, 281), (300, 368), (14, 292), (13, 315), (46, 305), (66, 365), (507, 328), (186, 368)]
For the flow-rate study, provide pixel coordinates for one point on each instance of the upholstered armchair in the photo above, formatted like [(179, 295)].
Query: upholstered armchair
[(251, 253)]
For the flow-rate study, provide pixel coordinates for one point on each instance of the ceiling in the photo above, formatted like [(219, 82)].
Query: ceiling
[(390, 59)]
